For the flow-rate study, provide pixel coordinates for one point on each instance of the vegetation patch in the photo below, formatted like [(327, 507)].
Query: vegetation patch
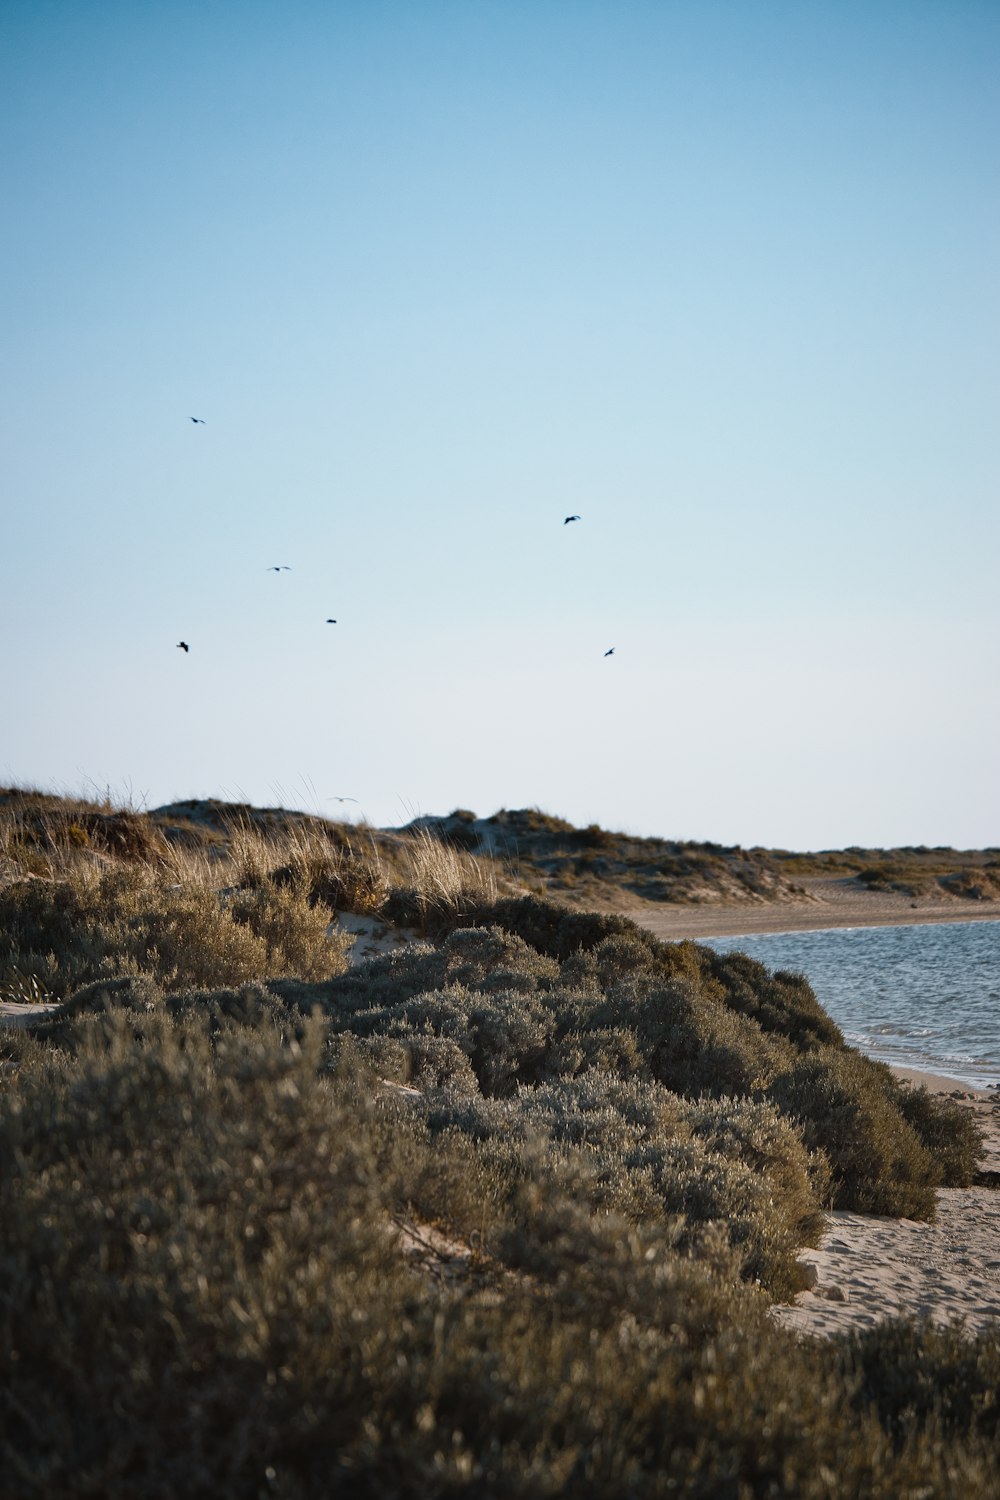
[(499, 1214)]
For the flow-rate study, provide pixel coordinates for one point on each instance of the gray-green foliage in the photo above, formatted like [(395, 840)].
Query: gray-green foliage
[(134, 920), (202, 1292), (205, 1194), (671, 1014)]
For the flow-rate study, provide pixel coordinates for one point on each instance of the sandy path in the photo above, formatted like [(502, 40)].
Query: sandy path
[(829, 903), (867, 1269)]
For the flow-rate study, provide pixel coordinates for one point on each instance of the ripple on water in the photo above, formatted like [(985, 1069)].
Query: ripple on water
[(922, 996)]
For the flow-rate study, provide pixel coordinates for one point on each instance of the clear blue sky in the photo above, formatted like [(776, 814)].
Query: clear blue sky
[(720, 277)]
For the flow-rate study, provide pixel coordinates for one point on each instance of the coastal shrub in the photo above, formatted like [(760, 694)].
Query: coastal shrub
[(127, 920), (691, 1043), (723, 1026), (647, 1156), (546, 927), (916, 1374), (608, 1049), (491, 958), (208, 1285), (666, 1013), (950, 1132), (419, 1060), (877, 1162), (138, 992), (605, 1265), (480, 958), (752, 1131), (175, 1220), (508, 1037), (781, 1002)]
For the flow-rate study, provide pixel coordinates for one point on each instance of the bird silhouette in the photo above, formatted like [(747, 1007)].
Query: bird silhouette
[(331, 622), (570, 518), (341, 799), (183, 646), (278, 568), (611, 652), (199, 420)]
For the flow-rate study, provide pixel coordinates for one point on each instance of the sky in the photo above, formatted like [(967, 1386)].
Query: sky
[(721, 278)]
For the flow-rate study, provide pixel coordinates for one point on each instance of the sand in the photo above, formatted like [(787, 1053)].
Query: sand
[(827, 903), (867, 1269)]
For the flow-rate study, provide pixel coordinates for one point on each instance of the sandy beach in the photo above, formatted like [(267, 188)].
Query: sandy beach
[(827, 903), (867, 1269)]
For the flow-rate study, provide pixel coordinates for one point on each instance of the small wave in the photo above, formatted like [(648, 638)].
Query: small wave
[(915, 996)]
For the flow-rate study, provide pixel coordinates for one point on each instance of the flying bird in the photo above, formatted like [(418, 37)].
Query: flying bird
[(611, 652), (199, 420), (183, 646), (341, 799), (278, 568), (570, 518), (331, 622)]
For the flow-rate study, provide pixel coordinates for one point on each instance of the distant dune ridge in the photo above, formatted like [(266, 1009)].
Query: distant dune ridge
[(714, 884)]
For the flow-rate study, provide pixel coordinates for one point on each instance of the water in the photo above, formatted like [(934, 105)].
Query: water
[(919, 997)]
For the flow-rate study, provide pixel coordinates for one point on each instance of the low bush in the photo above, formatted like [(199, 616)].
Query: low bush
[(782, 1003), (125, 921), (950, 1133), (499, 1217), (649, 1157), (877, 1161), (205, 1289)]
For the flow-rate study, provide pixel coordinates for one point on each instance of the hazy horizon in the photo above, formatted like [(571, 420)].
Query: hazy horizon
[(720, 278)]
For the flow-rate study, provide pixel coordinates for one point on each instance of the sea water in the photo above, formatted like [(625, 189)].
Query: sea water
[(922, 996)]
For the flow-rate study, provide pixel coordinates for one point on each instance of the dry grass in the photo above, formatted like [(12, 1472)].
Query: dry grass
[(444, 878), (349, 868)]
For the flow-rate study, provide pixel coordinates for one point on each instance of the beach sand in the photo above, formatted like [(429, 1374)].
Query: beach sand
[(827, 903), (867, 1269)]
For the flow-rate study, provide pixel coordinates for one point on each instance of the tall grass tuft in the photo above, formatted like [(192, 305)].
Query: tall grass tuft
[(438, 881)]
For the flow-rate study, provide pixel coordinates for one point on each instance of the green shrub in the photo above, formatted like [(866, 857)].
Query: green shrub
[(503, 1218), (205, 1287), (877, 1161), (950, 1132), (781, 1002), (126, 921)]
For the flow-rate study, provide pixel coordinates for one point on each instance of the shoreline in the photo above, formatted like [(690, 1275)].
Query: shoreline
[(842, 911), (830, 904)]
